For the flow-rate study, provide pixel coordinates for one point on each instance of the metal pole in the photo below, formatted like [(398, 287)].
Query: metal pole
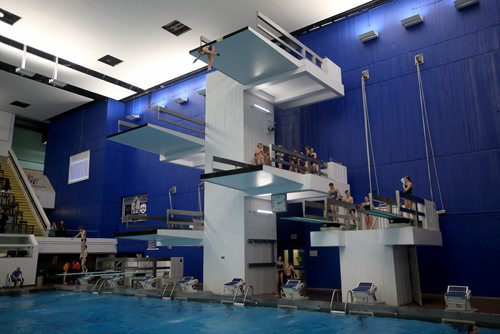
[(365, 114)]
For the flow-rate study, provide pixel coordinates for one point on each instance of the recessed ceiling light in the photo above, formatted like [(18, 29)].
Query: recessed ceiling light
[(110, 60), (8, 17), (20, 104), (177, 28)]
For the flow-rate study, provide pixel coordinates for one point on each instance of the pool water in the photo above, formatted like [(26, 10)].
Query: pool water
[(69, 312)]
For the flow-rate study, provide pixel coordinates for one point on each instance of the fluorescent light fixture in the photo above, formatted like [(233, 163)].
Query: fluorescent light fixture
[(264, 212), (412, 21), (133, 117), (368, 36), (180, 100), (1, 14), (256, 106), (57, 83), (25, 72), (461, 4)]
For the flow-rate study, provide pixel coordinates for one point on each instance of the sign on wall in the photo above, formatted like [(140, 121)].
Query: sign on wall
[(134, 206)]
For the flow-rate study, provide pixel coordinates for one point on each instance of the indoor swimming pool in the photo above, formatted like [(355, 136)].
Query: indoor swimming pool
[(59, 312)]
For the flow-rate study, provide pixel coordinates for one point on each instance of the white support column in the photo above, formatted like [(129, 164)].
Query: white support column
[(232, 131)]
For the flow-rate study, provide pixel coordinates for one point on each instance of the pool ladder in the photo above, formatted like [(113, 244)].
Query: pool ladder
[(100, 282), (336, 292), (250, 287), (171, 291)]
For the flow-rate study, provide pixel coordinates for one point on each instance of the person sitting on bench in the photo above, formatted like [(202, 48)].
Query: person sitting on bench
[(17, 276)]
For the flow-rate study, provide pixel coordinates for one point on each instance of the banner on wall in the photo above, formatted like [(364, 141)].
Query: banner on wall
[(133, 206), (43, 189)]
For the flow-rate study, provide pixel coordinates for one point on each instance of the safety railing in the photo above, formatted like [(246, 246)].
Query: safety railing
[(336, 292), (297, 161), (246, 293), (286, 41), (32, 199), (188, 119)]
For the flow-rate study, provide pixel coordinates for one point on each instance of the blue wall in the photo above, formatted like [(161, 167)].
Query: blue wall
[(462, 89), (117, 170)]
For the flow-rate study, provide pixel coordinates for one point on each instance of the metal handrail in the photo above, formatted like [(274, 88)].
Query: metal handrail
[(246, 293), (165, 289), (349, 292), (96, 283), (100, 287), (335, 292), (172, 292)]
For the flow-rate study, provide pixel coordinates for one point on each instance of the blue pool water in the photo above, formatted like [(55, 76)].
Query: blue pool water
[(68, 312)]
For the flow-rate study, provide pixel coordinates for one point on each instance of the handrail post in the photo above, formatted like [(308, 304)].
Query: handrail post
[(172, 292)]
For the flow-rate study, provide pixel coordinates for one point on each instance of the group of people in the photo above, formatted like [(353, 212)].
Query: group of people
[(284, 270), (335, 195), (57, 230), (261, 157)]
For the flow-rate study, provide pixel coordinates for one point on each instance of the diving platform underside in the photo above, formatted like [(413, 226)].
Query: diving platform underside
[(172, 146), (166, 237), (390, 237), (263, 179), (271, 72)]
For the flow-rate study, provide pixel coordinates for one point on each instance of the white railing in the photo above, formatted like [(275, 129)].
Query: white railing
[(32, 199)]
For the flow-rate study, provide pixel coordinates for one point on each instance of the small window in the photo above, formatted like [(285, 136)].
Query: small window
[(79, 167)]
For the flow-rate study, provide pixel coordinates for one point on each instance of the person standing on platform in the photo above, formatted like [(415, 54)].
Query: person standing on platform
[(279, 275), (333, 195), (61, 230), (83, 235), (368, 219), (408, 190)]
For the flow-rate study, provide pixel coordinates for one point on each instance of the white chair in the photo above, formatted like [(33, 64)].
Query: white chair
[(148, 283), (235, 286), (188, 283), (294, 288), (457, 298), (364, 293)]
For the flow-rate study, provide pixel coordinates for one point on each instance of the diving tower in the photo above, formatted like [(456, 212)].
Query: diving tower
[(387, 255), (274, 65)]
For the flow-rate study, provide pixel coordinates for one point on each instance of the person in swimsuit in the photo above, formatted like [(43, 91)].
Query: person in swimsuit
[(368, 219), (311, 167), (83, 235), (333, 195), (209, 50), (279, 275), (348, 199), (259, 157), (407, 189), (289, 271), (83, 260)]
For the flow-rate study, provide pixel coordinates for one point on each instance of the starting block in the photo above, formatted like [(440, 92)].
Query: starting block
[(188, 283), (364, 293), (457, 298), (237, 284), (294, 288)]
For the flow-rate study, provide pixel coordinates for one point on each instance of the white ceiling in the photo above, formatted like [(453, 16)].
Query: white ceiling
[(83, 31)]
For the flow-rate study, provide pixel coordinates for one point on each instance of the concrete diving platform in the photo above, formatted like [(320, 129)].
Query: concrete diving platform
[(172, 146), (165, 237), (267, 180), (276, 66)]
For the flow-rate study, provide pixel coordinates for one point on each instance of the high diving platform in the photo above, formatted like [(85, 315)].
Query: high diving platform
[(171, 145), (264, 180), (276, 66), (165, 237)]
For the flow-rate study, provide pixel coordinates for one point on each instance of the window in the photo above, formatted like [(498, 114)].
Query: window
[(79, 167)]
